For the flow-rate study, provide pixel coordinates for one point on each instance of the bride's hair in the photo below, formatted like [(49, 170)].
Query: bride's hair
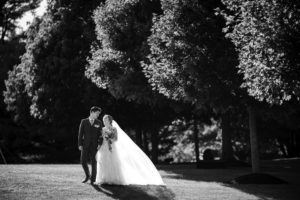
[(109, 117)]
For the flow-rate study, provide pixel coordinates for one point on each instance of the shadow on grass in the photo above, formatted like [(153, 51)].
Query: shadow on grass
[(260, 191), (136, 192), (268, 191), (190, 172), (287, 170)]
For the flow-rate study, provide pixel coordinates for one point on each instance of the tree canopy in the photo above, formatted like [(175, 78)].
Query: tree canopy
[(190, 58), (266, 35), (122, 28)]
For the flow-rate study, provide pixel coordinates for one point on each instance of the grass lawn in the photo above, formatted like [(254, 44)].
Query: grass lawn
[(37, 181)]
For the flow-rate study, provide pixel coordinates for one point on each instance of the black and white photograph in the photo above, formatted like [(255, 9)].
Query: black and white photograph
[(150, 99)]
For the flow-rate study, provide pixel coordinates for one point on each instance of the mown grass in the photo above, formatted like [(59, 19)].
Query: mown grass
[(36, 181)]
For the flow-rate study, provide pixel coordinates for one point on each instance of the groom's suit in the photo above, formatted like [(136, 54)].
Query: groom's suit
[(89, 137)]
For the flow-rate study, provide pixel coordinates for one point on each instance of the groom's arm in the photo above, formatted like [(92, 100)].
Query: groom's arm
[(80, 134)]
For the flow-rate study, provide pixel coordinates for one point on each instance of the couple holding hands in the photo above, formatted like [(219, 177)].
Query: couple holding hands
[(115, 158)]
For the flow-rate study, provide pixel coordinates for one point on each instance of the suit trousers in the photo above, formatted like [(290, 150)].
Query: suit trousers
[(89, 153)]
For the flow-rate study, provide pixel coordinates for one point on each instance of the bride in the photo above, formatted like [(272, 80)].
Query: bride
[(121, 162)]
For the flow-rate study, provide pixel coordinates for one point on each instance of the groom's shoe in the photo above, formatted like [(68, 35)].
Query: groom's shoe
[(92, 181), (85, 180)]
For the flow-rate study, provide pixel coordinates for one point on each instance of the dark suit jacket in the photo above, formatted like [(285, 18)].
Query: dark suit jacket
[(90, 136)]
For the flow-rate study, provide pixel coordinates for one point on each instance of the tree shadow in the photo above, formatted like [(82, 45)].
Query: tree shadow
[(269, 191), (138, 192), (190, 172), (286, 170)]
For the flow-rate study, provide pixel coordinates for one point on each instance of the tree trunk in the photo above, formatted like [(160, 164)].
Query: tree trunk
[(3, 35), (291, 146), (227, 151), (154, 144), (4, 30), (2, 156), (253, 141), (196, 141), (145, 143), (282, 147), (297, 144), (138, 137)]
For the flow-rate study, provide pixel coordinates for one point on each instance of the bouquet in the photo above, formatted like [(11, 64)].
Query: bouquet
[(109, 136)]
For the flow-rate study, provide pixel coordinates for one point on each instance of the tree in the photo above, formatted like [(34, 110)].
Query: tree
[(266, 36), (191, 60), (184, 150), (9, 56), (49, 83), (279, 125), (122, 28), (11, 48), (11, 10), (11, 133)]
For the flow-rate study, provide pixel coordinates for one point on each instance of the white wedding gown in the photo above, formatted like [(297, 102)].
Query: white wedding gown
[(126, 164)]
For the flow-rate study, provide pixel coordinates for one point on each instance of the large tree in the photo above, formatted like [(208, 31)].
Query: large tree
[(191, 60), (122, 28), (11, 134), (12, 46), (266, 36), (49, 83)]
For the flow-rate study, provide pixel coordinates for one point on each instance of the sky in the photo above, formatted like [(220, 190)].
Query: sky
[(27, 18)]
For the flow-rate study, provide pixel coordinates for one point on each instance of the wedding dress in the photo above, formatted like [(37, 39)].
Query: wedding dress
[(125, 164)]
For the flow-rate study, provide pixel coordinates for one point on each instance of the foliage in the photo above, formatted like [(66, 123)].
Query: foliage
[(190, 58), (49, 83), (51, 67), (13, 137), (9, 56), (266, 35), (122, 28), (182, 136), (144, 55), (11, 10)]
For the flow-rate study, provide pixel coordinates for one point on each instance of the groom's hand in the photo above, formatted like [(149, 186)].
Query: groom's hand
[(80, 148)]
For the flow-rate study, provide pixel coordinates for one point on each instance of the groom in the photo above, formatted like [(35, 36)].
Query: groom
[(89, 140)]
